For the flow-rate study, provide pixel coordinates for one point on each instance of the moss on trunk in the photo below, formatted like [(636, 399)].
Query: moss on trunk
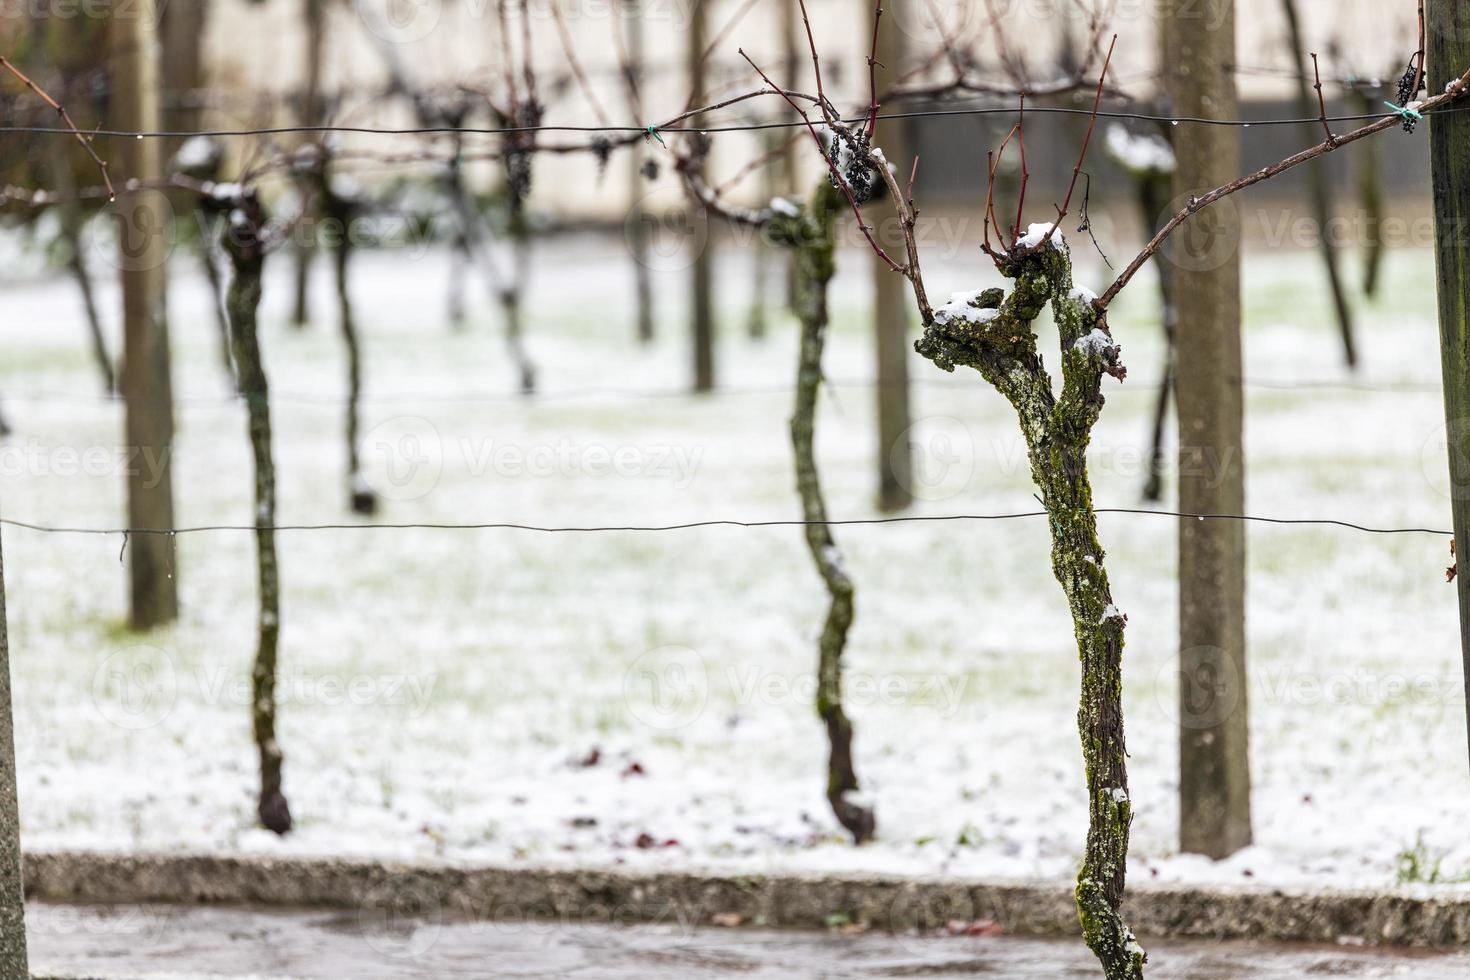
[(809, 236), (993, 333), (247, 255)]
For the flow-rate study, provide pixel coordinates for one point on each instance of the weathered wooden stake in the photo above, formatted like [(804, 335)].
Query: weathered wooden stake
[(13, 965), (146, 383), (638, 229), (1449, 147), (892, 318), (701, 273), (1214, 765)]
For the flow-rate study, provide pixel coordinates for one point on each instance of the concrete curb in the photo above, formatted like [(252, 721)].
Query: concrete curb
[(383, 891)]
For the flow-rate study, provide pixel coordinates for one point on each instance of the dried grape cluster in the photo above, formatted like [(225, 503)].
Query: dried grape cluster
[(849, 154), (1410, 86)]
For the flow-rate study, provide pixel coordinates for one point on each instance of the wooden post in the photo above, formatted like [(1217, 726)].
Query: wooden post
[(891, 316), (701, 285), (638, 231), (147, 388), (312, 114), (182, 34), (1214, 765), (1449, 142), (13, 964)]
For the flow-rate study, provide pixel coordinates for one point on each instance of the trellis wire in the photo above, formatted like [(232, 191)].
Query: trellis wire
[(987, 110), (713, 523)]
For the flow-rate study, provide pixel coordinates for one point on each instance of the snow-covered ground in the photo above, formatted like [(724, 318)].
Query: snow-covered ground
[(445, 691)]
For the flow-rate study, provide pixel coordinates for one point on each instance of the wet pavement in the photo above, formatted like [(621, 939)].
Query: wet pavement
[(144, 940)]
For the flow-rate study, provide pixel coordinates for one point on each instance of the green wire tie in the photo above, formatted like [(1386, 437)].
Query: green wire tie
[(652, 131), (1405, 111)]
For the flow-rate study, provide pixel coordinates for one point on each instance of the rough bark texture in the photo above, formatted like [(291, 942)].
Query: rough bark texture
[(339, 210), (809, 235), (1214, 767), (12, 902), (994, 335), (1449, 147), (891, 309), (1321, 198), (247, 255), (701, 273), (146, 382)]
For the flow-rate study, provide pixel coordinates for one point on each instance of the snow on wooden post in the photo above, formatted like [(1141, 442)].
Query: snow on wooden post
[(12, 893), (1214, 767), (891, 309), (147, 388), (1448, 44)]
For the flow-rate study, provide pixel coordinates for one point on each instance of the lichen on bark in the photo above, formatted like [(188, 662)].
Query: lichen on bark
[(1002, 346), (246, 248), (808, 235)]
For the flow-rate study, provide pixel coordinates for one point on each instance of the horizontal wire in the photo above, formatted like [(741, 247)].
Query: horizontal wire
[(729, 128), (399, 397), (692, 525)]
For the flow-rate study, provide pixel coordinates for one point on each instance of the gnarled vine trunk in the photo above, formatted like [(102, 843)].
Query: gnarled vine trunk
[(809, 235), (247, 255), (340, 210), (993, 333)]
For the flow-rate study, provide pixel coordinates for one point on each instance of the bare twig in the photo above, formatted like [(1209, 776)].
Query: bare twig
[(575, 64), (1456, 90), (60, 110), (873, 71), (828, 113), (831, 164), (1086, 140), (1321, 102)]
